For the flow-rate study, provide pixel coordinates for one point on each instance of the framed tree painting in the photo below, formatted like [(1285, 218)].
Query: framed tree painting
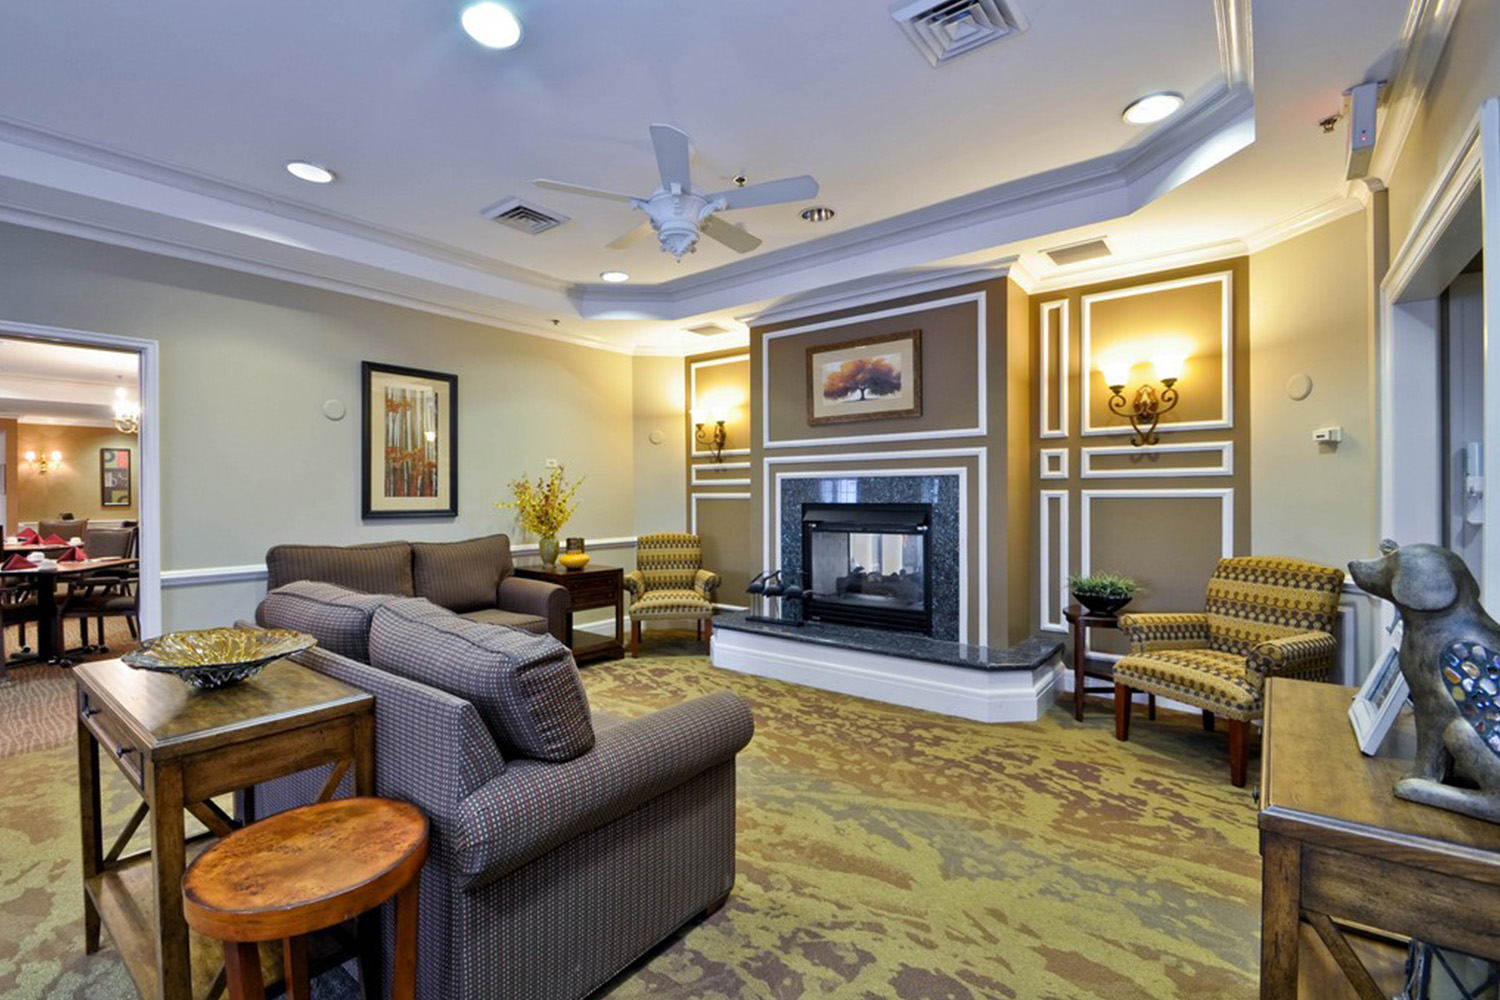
[(114, 477), (410, 442), (874, 378)]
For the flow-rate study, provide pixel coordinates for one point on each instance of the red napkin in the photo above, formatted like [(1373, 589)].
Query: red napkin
[(75, 554), (19, 562), (53, 540), (28, 535)]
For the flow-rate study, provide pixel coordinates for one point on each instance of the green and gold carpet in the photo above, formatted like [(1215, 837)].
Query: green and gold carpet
[(883, 853)]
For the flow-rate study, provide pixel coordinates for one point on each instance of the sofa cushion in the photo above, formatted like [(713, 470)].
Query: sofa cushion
[(461, 576), (338, 618), (377, 568), (526, 687), (535, 624)]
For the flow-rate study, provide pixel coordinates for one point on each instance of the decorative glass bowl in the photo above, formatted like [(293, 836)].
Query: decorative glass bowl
[(216, 657)]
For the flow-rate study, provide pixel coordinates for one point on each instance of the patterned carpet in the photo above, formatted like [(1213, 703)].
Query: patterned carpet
[(884, 853)]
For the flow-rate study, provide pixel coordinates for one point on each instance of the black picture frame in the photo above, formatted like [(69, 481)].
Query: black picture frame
[(115, 487), (405, 473)]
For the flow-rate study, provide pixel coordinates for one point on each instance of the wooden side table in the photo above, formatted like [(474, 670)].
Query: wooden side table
[(180, 748), (1080, 619), (1338, 847), (593, 586)]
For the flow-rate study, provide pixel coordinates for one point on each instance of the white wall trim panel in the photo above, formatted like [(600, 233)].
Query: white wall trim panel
[(1052, 590), (697, 480), (1053, 463), (1223, 449), (978, 430), (695, 497), (1051, 331), (1087, 499), (1225, 279)]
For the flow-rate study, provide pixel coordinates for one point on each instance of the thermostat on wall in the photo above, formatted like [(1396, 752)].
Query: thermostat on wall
[(1328, 435)]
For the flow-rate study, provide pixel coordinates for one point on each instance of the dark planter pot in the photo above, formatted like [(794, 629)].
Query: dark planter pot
[(1101, 605)]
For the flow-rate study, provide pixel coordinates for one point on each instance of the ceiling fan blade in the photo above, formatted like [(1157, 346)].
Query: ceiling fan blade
[(732, 237), (567, 188), (671, 156), (631, 238), (769, 192)]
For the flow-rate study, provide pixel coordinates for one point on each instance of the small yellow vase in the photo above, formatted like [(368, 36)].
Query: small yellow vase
[(574, 560)]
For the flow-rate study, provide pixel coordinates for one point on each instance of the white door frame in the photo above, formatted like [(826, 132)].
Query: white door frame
[(1458, 217), (149, 491)]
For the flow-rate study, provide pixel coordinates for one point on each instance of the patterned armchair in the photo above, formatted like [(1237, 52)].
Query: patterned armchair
[(1264, 617), (670, 582)]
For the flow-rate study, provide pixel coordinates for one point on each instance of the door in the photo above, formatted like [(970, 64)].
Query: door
[(1463, 423)]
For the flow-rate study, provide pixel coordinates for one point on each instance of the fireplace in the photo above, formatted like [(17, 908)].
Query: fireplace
[(868, 564)]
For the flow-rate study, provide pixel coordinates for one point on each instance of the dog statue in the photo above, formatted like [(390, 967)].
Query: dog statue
[(1450, 656)]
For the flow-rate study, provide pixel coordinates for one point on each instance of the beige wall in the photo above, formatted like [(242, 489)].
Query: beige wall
[(74, 486), (1468, 73), (249, 460), (1309, 309), (660, 477)]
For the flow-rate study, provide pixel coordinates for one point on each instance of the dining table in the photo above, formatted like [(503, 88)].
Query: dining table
[(50, 645)]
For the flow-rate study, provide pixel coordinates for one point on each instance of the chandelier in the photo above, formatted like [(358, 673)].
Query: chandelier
[(127, 413)]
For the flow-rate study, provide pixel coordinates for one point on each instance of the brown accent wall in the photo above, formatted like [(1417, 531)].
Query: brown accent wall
[(1158, 514), (718, 503), (74, 486), (956, 392)]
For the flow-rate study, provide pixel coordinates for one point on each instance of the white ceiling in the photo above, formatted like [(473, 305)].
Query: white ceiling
[(42, 382), (166, 125)]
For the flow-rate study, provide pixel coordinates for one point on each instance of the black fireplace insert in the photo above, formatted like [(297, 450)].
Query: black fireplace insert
[(868, 564)]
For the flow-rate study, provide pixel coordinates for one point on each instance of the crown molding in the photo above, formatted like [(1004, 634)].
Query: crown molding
[(879, 288), (1424, 36), (1135, 267), (1302, 222)]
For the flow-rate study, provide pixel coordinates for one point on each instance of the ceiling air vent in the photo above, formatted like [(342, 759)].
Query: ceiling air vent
[(523, 215), (945, 30), (708, 329), (1077, 253)]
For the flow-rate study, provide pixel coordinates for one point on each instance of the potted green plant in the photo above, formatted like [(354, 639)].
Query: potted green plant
[(1103, 593)]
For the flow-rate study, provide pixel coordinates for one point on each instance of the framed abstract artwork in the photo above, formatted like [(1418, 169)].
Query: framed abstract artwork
[(410, 442), (114, 477), (874, 378), (1379, 701)]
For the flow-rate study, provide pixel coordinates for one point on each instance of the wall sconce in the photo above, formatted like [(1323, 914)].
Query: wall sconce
[(127, 414), (711, 440), (43, 463), (1146, 409)]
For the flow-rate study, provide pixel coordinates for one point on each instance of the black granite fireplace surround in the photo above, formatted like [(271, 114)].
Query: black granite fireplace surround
[(941, 493), (868, 564)]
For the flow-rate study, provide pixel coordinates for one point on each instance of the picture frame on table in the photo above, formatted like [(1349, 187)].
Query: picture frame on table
[(1375, 707), (114, 477), (873, 378), (409, 442)]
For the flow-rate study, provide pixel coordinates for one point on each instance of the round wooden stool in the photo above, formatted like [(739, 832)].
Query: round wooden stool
[(302, 871)]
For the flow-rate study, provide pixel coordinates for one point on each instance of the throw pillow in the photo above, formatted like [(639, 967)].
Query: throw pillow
[(338, 618), (525, 687)]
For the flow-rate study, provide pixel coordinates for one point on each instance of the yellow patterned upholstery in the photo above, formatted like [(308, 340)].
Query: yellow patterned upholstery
[(1264, 616), (669, 580)]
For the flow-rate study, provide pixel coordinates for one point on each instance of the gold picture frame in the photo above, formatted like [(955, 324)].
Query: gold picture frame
[(872, 378)]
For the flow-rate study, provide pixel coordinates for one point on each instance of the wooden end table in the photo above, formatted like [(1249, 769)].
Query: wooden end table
[(1080, 619), (180, 748), (1338, 847), (593, 586)]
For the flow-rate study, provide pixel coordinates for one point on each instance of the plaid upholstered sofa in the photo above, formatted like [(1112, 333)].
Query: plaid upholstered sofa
[(474, 578), (564, 845)]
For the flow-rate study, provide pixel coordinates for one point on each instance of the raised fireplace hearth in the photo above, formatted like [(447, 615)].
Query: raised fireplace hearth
[(868, 564)]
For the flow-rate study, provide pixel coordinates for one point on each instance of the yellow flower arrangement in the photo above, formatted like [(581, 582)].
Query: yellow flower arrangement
[(544, 506)]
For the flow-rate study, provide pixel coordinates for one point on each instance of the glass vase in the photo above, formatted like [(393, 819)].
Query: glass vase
[(547, 548)]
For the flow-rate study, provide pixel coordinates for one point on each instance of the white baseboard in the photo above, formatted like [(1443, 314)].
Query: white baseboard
[(981, 695)]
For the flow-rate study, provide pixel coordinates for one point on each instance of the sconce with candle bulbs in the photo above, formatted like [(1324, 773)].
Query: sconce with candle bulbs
[(711, 439), (1146, 408), (43, 463)]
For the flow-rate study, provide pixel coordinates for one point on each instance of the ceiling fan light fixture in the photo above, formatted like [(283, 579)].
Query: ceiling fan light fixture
[(491, 25), (818, 213), (310, 172), (1152, 108), (614, 277)]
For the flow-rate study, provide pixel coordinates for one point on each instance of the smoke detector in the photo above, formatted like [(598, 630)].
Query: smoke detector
[(946, 30)]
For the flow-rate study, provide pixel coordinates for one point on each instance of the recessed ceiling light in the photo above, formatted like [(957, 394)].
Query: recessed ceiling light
[(310, 172), (614, 277), (491, 25), (818, 213), (1152, 108)]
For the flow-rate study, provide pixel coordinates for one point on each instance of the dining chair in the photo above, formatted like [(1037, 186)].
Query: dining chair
[(98, 596), (17, 607), (65, 528)]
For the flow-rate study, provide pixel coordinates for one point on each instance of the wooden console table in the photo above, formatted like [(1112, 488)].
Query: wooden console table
[(591, 587), (1337, 845), (181, 747)]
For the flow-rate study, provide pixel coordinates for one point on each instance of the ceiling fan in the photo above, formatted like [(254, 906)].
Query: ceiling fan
[(679, 212)]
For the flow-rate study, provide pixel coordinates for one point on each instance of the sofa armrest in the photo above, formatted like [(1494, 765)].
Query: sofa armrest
[(535, 806), (635, 583), (706, 583), (1290, 656), (1151, 632), (536, 597)]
